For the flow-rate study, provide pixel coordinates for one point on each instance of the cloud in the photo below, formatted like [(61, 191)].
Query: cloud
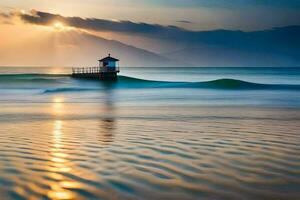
[(6, 18), (185, 21), (278, 43), (5, 15), (277, 38), (44, 18), (294, 4), (129, 27)]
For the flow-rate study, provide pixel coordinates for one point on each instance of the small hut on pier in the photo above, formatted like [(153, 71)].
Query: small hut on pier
[(107, 70)]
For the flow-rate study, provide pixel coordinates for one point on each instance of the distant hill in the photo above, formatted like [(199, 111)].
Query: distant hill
[(275, 47), (278, 47), (76, 48), (96, 47)]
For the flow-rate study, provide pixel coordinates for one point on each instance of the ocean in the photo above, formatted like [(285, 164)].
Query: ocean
[(155, 133)]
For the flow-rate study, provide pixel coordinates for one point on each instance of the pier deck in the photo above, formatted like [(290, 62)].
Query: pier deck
[(101, 73)]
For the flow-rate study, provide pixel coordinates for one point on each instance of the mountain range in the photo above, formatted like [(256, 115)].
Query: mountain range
[(274, 47)]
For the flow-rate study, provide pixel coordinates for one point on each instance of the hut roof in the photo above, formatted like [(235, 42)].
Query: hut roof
[(108, 58)]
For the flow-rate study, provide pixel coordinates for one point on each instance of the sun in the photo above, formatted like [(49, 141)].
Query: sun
[(58, 26)]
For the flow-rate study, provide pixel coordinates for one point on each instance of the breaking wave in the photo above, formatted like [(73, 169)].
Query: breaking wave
[(30, 78), (60, 90), (64, 83)]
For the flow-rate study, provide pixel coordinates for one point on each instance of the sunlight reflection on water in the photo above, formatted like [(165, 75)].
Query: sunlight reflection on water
[(62, 138), (59, 160), (104, 151)]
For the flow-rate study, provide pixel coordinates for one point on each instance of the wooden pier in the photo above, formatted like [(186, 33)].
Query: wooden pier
[(107, 70), (95, 72)]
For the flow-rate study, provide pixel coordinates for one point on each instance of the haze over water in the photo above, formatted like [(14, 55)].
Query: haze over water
[(156, 133)]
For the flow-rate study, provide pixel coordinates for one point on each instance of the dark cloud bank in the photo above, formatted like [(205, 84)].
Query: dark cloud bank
[(281, 46), (282, 36)]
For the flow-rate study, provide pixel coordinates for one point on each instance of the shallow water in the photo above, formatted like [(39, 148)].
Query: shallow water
[(70, 139)]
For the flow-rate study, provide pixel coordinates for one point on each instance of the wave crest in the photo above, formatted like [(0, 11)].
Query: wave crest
[(50, 80)]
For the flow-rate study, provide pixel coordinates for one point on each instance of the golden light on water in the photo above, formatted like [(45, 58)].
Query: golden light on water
[(58, 105), (57, 132), (61, 194), (59, 163), (58, 99)]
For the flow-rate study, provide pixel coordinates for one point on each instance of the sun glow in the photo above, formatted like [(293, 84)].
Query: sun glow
[(58, 26)]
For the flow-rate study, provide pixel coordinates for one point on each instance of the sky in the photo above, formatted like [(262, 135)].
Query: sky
[(202, 14), (158, 26)]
